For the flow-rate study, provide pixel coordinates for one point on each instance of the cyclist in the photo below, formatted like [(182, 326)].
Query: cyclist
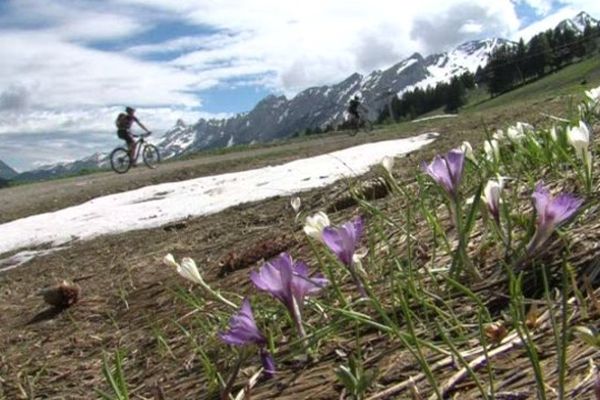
[(353, 108), (124, 122)]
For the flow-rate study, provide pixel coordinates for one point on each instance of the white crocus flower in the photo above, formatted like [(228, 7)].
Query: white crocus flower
[(518, 131), (492, 150), (593, 94), (187, 268), (466, 148), (498, 135), (388, 164), (514, 134), (593, 102), (314, 225), (553, 133), (491, 196), (189, 271), (169, 261), (296, 203), (579, 138)]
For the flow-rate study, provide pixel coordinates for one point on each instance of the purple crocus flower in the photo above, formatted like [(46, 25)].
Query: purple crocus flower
[(343, 241), (447, 170), (288, 281), (551, 212), (243, 331)]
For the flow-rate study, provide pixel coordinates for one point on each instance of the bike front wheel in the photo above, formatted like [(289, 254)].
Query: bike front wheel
[(353, 126), (120, 161), (151, 156)]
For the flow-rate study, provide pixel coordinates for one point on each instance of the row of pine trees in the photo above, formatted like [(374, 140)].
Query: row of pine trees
[(509, 66)]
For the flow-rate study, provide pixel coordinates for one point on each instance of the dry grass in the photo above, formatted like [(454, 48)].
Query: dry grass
[(130, 303)]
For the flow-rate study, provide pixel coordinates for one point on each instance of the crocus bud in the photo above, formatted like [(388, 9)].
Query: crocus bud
[(314, 225), (468, 150), (296, 203), (492, 150)]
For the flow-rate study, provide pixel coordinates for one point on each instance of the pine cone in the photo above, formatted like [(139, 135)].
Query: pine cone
[(61, 296)]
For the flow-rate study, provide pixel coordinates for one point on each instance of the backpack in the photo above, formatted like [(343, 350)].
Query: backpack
[(122, 122)]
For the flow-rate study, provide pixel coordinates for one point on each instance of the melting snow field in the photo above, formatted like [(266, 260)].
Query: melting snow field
[(157, 205), (434, 117)]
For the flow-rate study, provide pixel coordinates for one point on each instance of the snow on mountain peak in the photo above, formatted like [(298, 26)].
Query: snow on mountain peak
[(578, 22)]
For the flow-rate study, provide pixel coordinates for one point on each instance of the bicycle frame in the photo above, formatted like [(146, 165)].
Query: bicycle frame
[(138, 146)]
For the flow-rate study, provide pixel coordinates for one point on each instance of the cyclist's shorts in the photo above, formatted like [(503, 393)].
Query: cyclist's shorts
[(125, 135)]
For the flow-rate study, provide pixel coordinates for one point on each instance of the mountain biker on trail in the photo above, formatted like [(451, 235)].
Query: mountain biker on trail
[(124, 123)]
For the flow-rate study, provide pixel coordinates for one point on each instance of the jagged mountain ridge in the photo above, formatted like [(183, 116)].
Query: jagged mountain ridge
[(578, 23), (277, 117)]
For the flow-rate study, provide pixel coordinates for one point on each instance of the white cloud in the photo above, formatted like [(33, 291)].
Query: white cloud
[(100, 119), (314, 42), (59, 74), (73, 20)]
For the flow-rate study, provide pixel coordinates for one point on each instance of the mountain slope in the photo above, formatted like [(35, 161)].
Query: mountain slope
[(7, 172), (95, 161)]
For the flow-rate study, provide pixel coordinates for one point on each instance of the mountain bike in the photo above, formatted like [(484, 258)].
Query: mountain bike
[(120, 159), (361, 123)]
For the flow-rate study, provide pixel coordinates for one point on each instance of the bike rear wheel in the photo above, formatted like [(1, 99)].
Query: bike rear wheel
[(120, 161), (367, 126), (151, 156)]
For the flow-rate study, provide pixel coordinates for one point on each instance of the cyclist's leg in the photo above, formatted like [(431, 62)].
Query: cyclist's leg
[(131, 145), (125, 135), (354, 119)]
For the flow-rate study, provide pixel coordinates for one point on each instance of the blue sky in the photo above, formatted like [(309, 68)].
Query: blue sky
[(69, 66)]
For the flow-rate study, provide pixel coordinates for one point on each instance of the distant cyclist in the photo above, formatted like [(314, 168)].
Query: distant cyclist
[(124, 122), (353, 107)]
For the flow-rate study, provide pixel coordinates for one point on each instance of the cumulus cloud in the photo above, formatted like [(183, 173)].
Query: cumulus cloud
[(61, 74), (461, 22)]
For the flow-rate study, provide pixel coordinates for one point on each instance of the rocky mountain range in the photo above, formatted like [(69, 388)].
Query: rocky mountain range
[(277, 117)]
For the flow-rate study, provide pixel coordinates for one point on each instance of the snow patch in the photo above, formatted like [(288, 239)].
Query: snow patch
[(434, 117), (157, 205)]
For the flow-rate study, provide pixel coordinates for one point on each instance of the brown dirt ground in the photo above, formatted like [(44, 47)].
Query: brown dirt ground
[(127, 294)]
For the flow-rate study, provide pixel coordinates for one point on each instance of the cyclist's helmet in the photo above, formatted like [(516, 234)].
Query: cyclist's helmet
[(129, 110), (356, 97)]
